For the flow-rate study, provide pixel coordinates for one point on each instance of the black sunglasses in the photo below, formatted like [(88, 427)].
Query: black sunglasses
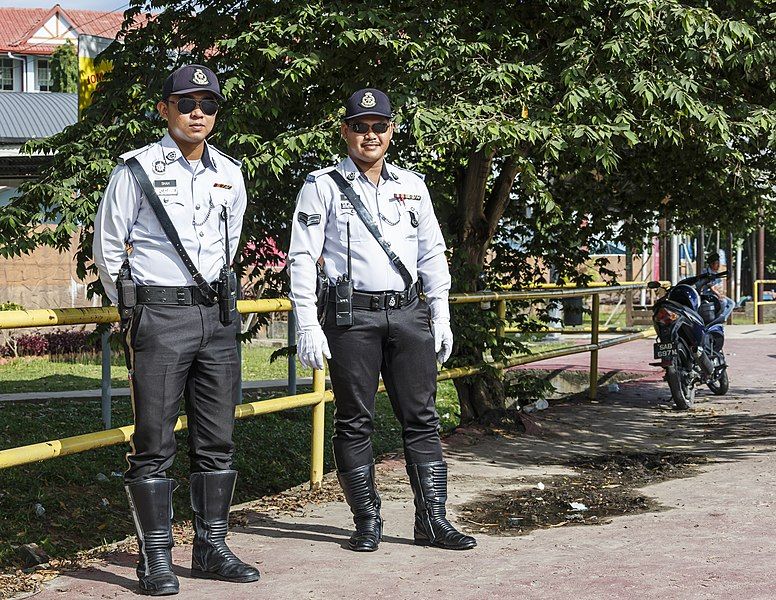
[(186, 105), (360, 127)]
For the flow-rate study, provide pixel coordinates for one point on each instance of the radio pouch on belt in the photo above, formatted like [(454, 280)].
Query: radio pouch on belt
[(127, 293), (366, 218), (169, 229)]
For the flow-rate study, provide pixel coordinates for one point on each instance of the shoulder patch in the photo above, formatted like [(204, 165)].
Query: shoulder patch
[(226, 156), (308, 220), (310, 178)]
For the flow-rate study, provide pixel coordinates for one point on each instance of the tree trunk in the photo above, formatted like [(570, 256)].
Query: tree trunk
[(479, 211)]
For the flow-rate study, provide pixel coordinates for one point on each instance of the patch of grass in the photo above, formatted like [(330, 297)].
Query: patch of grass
[(83, 509)]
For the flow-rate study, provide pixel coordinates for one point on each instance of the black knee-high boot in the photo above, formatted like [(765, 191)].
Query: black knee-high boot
[(150, 501), (211, 558), (429, 484), (364, 502)]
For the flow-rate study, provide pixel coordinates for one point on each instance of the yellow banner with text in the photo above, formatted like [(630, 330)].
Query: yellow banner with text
[(91, 70)]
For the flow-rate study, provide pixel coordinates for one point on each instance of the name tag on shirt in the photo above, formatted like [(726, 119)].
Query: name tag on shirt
[(346, 207), (165, 187)]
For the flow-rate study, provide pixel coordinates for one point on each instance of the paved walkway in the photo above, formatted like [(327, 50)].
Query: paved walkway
[(714, 539)]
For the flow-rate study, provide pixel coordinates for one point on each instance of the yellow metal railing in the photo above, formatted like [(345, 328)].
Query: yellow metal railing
[(319, 396), (757, 302)]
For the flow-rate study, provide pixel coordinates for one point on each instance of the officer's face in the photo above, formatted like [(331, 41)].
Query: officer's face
[(191, 127), (369, 147)]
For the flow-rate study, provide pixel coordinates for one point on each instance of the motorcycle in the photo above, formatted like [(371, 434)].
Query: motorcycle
[(689, 322)]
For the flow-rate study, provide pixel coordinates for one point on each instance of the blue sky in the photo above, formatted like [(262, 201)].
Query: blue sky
[(106, 5)]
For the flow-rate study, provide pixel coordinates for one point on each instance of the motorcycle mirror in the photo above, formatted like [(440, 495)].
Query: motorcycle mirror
[(653, 285)]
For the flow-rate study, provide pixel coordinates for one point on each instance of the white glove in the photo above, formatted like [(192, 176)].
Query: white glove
[(443, 341), (311, 347)]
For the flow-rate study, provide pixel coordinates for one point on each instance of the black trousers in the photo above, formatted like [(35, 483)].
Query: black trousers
[(399, 344), (174, 352)]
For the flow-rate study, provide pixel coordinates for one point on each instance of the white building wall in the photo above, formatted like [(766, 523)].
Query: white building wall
[(29, 74)]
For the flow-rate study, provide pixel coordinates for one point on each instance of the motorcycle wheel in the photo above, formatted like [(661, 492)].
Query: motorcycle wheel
[(720, 386), (682, 393)]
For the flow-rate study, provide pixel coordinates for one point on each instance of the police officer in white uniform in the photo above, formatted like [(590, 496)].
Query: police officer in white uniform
[(176, 344), (394, 331)]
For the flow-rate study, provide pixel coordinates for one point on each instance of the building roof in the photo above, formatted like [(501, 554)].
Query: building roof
[(18, 25), (28, 116)]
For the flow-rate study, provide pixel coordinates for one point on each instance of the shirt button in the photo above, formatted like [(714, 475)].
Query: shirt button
[(197, 207), (201, 234)]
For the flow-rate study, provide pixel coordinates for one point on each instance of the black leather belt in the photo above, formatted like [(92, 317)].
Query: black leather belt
[(171, 296), (381, 300)]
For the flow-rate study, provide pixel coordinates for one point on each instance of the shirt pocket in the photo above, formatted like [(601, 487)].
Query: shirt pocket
[(345, 214), (410, 220), (219, 199), (175, 208)]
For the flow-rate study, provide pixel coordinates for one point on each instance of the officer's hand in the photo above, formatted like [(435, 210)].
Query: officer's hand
[(311, 347), (443, 341)]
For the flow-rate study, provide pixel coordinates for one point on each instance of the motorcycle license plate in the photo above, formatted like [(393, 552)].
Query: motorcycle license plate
[(664, 349)]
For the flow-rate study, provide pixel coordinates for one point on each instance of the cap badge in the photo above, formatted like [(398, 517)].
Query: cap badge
[(368, 101), (200, 78)]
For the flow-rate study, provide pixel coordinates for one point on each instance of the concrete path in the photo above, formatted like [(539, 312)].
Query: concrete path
[(715, 539)]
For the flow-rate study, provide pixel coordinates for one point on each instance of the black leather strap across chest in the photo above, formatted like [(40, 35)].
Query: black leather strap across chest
[(168, 228), (366, 218)]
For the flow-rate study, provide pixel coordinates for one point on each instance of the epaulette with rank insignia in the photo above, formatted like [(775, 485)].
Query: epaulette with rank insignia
[(226, 156), (127, 155), (313, 177)]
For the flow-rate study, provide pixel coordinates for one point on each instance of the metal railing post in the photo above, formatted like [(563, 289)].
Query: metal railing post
[(291, 357), (501, 311), (240, 398), (756, 302), (106, 382), (593, 392), (319, 419)]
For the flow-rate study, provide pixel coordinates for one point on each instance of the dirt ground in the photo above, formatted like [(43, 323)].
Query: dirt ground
[(695, 491)]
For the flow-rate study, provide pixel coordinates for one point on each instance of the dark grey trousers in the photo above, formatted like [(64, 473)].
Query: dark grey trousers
[(399, 344), (174, 352)]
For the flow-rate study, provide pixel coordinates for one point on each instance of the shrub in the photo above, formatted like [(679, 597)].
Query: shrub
[(55, 343)]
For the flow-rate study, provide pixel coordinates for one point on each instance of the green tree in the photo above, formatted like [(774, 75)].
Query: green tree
[(543, 127), (64, 69)]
